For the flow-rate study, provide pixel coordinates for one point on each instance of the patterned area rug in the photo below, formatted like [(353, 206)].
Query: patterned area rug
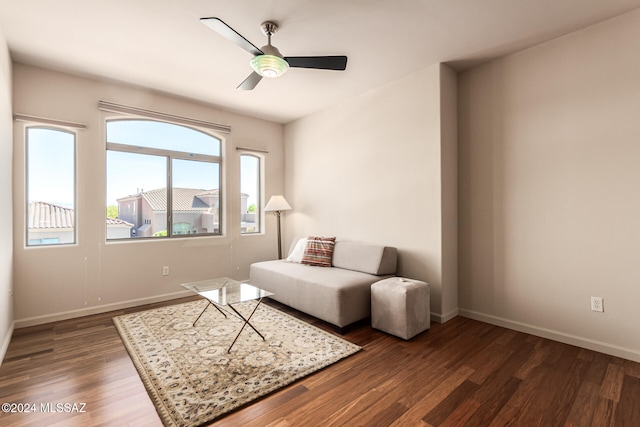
[(190, 376)]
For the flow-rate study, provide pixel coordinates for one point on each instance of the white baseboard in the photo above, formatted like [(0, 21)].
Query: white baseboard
[(54, 317), (442, 318), (570, 339), (5, 342)]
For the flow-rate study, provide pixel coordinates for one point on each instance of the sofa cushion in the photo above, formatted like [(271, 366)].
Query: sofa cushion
[(340, 294), (335, 295), (367, 258), (319, 251), (297, 250)]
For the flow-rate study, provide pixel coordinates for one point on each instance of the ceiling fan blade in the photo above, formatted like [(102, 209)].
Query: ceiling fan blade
[(318, 62), (217, 25), (250, 82)]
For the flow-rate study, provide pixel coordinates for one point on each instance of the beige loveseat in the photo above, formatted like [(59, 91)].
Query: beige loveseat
[(340, 294)]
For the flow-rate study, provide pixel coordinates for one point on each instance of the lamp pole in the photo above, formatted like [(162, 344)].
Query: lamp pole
[(277, 204), (277, 213)]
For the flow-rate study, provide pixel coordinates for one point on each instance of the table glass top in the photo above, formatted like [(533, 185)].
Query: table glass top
[(224, 291)]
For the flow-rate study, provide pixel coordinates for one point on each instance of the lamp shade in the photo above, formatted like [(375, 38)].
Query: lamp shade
[(277, 204)]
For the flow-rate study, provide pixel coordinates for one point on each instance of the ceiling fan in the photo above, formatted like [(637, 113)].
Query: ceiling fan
[(268, 61)]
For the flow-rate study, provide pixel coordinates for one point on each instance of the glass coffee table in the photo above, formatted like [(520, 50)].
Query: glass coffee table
[(223, 292)]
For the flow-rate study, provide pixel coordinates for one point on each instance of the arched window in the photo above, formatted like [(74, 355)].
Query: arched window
[(51, 186), (154, 165)]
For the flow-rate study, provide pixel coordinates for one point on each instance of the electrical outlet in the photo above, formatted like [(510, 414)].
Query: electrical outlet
[(597, 304), (165, 270)]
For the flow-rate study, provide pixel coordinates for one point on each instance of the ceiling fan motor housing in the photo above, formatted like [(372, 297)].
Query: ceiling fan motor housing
[(269, 28), (271, 50)]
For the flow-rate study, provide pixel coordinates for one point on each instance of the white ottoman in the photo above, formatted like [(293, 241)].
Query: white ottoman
[(400, 307)]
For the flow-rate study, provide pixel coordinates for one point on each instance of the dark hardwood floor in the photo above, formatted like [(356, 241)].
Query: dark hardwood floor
[(461, 373)]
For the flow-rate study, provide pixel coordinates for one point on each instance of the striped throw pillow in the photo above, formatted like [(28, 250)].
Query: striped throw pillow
[(319, 251)]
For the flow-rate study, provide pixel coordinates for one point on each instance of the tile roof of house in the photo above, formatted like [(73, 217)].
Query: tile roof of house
[(157, 199), (184, 199), (44, 215), (118, 221), (47, 215)]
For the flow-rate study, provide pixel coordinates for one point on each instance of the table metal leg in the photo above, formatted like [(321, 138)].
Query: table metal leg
[(205, 309), (246, 322)]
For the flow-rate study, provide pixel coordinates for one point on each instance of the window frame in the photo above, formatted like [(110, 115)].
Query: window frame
[(260, 179), (169, 156), (65, 130)]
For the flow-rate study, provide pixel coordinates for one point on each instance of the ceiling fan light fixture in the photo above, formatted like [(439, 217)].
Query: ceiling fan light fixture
[(270, 66)]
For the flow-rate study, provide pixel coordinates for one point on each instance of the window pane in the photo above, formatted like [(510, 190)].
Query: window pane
[(250, 193), (50, 187), (195, 197), (151, 164), (166, 136), (136, 195)]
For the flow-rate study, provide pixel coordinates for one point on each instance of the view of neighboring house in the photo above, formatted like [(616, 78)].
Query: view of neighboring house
[(195, 211), (117, 228), (49, 224), (52, 224)]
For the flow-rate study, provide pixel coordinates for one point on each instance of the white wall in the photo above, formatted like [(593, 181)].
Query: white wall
[(58, 282), (6, 214), (549, 201), (371, 170)]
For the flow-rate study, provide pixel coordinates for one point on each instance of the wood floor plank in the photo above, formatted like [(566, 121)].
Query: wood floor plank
[(612, 383), (451, 402), (604, 414), (382, 401), (462, 414), (540, 353), (631, 368), (628, 409), (353, 409), (418, 411), (568, 380), (250, 413), (583, 409), (492, 396), (408, 388), (486, 362), (461, 373), (342, 391)]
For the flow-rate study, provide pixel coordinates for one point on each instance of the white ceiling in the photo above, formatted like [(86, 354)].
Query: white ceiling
[(161, 45)]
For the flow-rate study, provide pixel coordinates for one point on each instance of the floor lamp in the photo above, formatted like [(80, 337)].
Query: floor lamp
[(277, 204)]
